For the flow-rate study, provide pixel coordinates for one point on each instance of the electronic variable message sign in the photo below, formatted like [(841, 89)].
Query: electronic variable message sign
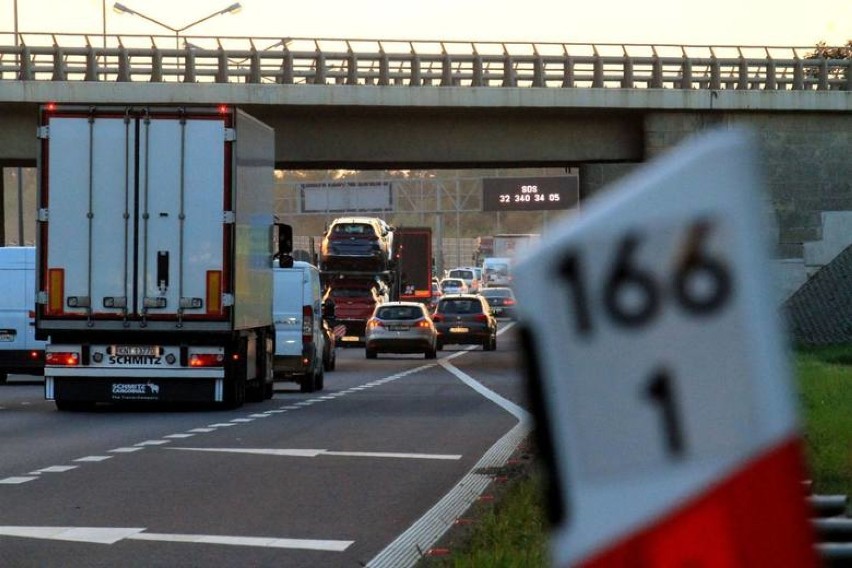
[(530, 193)]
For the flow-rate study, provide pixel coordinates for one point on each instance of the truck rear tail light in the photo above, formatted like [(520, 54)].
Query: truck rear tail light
[(214, 291), (55, 290), (63, 358), (36, 355), (206, 360), (307, 324)]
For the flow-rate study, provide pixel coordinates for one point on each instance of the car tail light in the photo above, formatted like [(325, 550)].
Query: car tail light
[(424, 324), (508, 302), (373, 323), (63, 358), (480, 317), (307, 324), (436, 317), (206, 360)]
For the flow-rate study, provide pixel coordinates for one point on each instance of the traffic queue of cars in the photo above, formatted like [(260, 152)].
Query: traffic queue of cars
[(456, 316)]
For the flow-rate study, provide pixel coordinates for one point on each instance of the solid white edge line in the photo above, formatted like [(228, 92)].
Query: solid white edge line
[(407, 549)]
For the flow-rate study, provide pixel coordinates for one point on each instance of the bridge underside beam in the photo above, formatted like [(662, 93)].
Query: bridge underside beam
[(310, 137), (433, 138)]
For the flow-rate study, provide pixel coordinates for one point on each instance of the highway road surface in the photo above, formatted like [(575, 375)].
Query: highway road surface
[(366, 472)]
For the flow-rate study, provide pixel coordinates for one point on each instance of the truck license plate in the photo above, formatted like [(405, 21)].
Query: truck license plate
[(150, 350), (7, 336)]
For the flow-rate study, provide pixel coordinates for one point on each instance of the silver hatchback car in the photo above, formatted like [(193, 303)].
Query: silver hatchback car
[(401, 327)]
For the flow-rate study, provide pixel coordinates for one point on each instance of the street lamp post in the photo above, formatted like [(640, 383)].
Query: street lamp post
[(122, 9)]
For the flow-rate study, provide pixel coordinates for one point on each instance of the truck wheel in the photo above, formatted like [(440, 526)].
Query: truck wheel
[(3, 377), (73, 405), (235, 392)]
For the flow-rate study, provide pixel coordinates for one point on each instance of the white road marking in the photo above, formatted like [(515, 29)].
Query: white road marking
[(16, 480), (221, 425), (93, 459), (307, 453), (54, 469), (202, 430), (264, 415), (127, 450), (179, 436), (105, 535), (152, 443), (242, 420)]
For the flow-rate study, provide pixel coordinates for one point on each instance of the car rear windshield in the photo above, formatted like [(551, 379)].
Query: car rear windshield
[(463, 274), (460, 307), (496, 293), (399, 313), (354, 229)]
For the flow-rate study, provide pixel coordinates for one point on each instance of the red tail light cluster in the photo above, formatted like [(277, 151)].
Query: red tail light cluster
[(509, 302), (63, 358), (307, 324), (373, 323), (436, 317), (206, 360), (480, 317)]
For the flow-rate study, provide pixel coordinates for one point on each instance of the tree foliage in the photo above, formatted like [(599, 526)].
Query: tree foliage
[(823, 51)]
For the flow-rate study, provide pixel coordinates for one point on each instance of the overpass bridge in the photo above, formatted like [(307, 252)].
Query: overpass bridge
[(385, 104)]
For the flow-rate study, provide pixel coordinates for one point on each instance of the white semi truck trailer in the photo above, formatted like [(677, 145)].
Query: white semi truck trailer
[(155, 243)]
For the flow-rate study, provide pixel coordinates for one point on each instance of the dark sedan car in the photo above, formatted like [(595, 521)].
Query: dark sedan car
[(465, 319), (501, 300)]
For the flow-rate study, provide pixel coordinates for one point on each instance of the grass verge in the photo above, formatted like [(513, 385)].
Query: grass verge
[(511, 531)]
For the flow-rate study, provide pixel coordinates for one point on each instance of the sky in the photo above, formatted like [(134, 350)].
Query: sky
[(683, 22)]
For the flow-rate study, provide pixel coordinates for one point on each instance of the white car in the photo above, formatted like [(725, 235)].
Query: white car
[(453, 286), (401, 327)]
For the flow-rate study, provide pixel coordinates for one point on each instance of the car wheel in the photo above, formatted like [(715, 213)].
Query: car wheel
[(319, 380), (486, 344), (3, 377), (431, 353), (371, 353), (439, 345), (332, 364), (307, 383), (494, 343)]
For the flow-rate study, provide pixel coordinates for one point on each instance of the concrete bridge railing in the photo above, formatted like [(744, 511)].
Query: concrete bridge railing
[(37, 57)]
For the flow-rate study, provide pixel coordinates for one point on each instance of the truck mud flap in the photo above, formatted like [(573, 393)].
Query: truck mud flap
[(132, 390)]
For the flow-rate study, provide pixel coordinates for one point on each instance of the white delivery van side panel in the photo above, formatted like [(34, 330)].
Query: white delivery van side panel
[(290, 286), (253, 198), (17, 299), (87, 238), (181, 171)]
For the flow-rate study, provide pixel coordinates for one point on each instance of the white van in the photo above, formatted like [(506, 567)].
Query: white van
[(20, 352), (497, 271), (470, 274), (304, 347)]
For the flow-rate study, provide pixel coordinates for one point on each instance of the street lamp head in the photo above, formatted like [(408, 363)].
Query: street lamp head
[(120, 8), (232, 9)]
